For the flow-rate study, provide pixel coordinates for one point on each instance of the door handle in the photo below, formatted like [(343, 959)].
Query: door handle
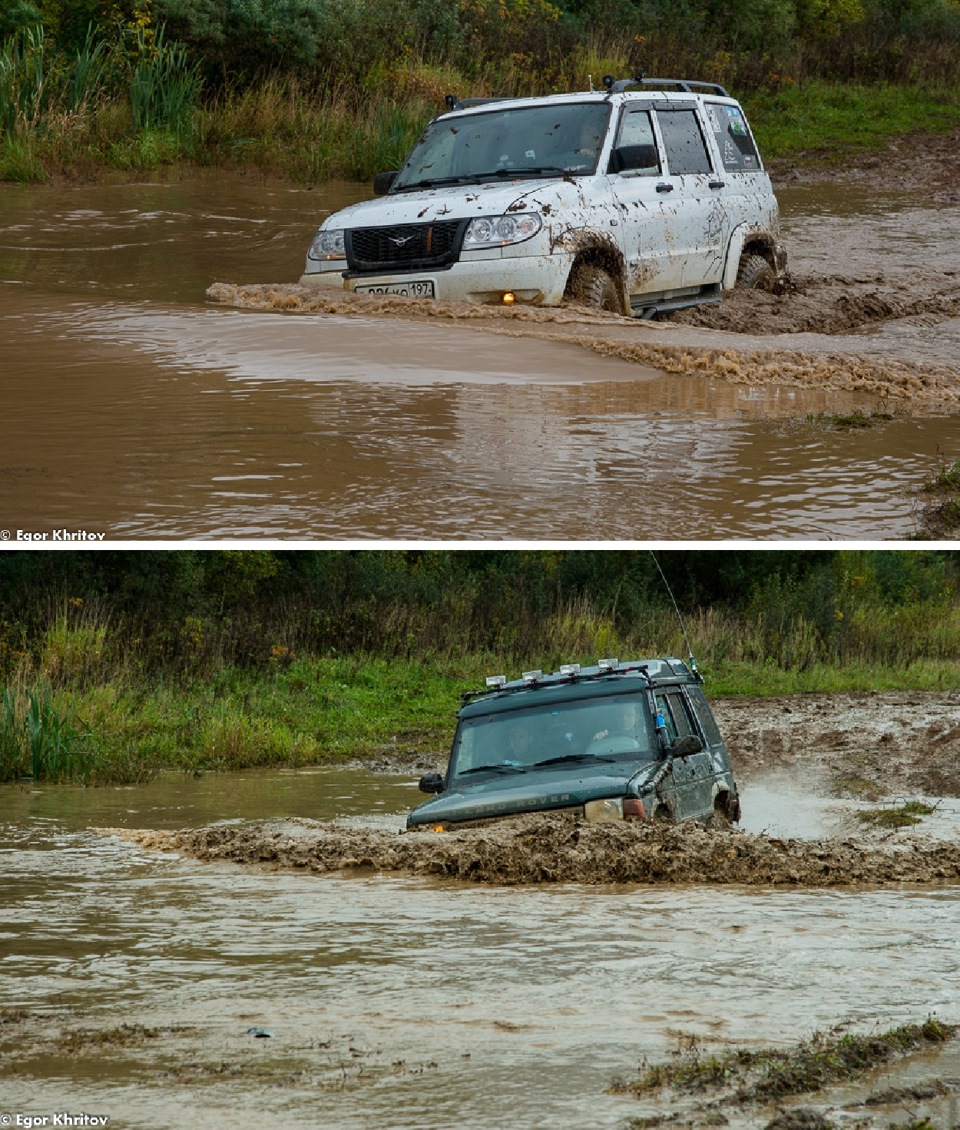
[(717, 184), (664, 188)]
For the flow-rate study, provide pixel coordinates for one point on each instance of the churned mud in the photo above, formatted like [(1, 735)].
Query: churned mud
[(867, 747), (548, 848)]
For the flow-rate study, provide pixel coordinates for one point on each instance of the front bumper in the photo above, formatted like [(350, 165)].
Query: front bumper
[(538, 280)]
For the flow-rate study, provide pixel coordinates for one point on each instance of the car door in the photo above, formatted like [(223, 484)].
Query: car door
[(699, 227), (647, 212), (693, 774)]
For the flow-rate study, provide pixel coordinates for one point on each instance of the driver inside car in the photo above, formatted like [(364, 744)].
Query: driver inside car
[(623, 723)]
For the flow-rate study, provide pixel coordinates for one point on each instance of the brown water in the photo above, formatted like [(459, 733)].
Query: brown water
[(135, 408), (403, 1003)]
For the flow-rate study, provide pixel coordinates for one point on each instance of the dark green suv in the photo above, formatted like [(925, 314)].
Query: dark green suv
[(616, 741)]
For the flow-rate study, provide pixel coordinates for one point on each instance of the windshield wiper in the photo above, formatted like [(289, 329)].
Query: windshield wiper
[(500, 767), (574, 757), (436, 182), (526, 171), (477, 178)]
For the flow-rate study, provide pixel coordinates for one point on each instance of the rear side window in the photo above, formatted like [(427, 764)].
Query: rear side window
[(705, 714), (685, 148), (737, 151)]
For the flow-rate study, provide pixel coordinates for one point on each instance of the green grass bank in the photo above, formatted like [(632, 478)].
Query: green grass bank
[(124, 727)]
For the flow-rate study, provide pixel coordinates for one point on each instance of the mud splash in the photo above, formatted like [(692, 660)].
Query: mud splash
[(559, 849), (729, 356)]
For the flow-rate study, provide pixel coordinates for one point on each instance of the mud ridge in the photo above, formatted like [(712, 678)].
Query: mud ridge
[(556, 848), (892, 381)]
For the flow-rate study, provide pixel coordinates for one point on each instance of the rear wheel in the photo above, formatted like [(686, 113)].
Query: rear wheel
[(755, 273), (593, 287)]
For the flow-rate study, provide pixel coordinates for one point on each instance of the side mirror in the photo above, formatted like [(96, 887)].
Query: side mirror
[(431, 783), (634, 157), (686, 745), (383, 181)]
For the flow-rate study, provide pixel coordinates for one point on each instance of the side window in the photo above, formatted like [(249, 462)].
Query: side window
[(737, 151), (675, 715), (705, 714), (637, 145), (685, 148)]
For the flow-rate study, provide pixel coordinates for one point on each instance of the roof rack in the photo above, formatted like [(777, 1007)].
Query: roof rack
[(604, 669), (688, 86)]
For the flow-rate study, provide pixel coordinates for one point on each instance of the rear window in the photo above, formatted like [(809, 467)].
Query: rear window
[(737, 151)]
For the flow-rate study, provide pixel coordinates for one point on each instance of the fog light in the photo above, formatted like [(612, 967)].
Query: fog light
[(603, 810), (509, 299)]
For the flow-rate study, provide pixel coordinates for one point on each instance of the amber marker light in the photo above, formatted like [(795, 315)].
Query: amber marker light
[(509, 298), (438, 827)]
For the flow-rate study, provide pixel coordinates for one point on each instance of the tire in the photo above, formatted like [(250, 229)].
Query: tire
[(755, 273), (593, 287)]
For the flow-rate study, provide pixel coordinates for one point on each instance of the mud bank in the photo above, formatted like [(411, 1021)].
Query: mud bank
[(557, 849)]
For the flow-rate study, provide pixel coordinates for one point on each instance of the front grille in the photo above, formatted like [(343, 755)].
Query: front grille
[(404, 246)]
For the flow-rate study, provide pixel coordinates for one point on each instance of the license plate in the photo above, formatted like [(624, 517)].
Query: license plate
[(407, 289)]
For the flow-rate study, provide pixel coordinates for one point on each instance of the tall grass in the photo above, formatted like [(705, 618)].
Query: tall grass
[(164, 86)]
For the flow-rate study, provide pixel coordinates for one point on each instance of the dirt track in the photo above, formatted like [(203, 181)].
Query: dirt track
[(875, 745)]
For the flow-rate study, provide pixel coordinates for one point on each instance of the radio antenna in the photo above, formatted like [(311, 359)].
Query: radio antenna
[(683, 630)]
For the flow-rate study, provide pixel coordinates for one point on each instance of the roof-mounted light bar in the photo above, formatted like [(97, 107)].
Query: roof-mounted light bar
[(570, 669), (531, 676), (495, 680)]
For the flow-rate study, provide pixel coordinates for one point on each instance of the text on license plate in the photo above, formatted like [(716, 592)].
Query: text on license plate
[(409, 289)]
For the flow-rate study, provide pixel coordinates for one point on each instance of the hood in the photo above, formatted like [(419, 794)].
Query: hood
[(455, 202), (534, 791)]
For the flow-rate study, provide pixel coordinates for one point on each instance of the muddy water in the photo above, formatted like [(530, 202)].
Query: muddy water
[(403, 1003), (135, 408)]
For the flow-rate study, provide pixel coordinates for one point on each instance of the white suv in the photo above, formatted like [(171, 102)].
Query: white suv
[(631, 199)]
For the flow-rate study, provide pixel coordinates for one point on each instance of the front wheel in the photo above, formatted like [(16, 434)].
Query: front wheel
[(755, 273), (593, 287)]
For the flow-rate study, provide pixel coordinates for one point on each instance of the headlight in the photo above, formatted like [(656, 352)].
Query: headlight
[(496, 231), (603, 810), (328, 245)]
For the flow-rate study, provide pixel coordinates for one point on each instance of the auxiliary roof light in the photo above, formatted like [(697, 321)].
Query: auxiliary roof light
[(531, 676), (496, 680), (569, 668), (608, 664)]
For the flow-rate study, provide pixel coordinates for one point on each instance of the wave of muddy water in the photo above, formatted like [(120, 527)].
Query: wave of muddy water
[(133, 975), (136, 407)]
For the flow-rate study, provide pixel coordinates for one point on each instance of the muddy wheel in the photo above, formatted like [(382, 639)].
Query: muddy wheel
[(755, 273), (593, 287)]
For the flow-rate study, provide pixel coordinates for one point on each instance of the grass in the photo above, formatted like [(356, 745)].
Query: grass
[(827, 122), (939, 518), (896, 816), (820, 1061)]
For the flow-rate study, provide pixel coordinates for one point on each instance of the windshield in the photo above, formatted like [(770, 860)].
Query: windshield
[(524, 141), (605, 728)]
